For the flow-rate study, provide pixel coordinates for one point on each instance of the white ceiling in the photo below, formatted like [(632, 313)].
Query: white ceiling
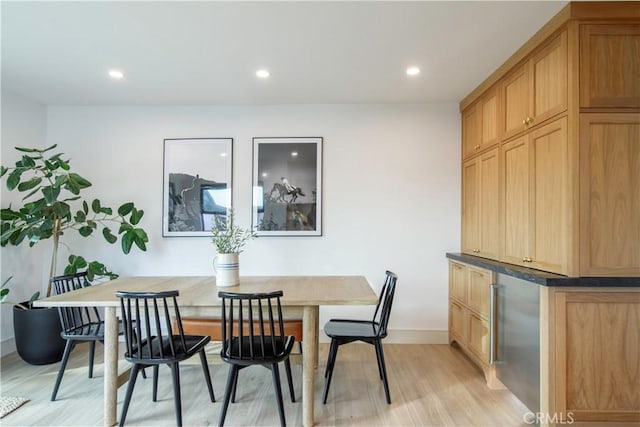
[(190, 53)]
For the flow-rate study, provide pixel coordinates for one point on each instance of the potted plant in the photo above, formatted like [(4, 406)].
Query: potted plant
[(51, 207), (229, 240)]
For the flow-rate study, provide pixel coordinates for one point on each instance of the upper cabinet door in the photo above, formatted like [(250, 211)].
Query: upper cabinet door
[(549, 78), (490, 115), (610, 66), (471, 130), (516, 95), (537, 90)]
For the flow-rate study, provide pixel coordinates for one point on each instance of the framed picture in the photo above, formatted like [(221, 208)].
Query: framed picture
[(287, 186), (197, 184)]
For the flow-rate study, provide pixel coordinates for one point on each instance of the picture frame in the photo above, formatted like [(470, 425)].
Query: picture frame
[(287, 186), (197, 184)]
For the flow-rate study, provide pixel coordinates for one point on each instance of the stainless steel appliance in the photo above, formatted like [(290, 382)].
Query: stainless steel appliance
[(515, 337)]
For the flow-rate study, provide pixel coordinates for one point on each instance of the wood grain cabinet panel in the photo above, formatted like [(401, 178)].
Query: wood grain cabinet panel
[(610, 66), (515, 201), (480, 208), (598, 343), (478, 337), (610, 194), (480, 128), (536, 198), (478, 293), (537, 90), (458, 281), (457, 322)]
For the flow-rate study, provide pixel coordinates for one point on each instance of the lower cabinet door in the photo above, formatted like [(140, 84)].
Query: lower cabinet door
[(478, 342), (457, 330)]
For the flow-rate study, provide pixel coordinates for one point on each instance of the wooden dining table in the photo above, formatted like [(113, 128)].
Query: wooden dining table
[(303, 296)]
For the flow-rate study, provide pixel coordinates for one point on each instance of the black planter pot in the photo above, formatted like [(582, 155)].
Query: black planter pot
[(37, 335)]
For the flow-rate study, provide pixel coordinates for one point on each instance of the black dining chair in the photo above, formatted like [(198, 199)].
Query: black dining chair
[(151, 341), (253, 334), (344, 331), (79, 324)]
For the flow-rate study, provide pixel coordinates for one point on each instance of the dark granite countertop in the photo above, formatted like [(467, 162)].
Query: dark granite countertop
[(542, 277)]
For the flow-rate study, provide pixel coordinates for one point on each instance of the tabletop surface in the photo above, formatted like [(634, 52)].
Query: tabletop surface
[(201, 291)]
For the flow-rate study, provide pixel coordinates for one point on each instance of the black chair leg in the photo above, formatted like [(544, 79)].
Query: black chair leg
[(127, 398), (92, 351), (378, 358), (144, 374), (300, 346), (207, 375), (232, 376), (65, 358), (384, 371), (154, 397), (287, 368), (235, 386), (331, 350), (175, 374), (276, 382), (330, 364)]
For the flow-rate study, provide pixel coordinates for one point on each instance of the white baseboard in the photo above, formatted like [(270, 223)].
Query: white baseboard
[(396, 336), (7, 346), (409, 336)]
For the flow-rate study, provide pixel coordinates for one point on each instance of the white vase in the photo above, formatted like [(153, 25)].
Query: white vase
[(227, 270)]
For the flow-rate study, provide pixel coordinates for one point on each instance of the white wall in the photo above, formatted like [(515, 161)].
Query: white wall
[(391, 192), (24, 124)]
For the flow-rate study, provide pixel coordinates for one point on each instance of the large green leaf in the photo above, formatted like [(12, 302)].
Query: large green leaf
[(85, 231), (3, 170), (28, 185), (127, 241), (80, 217), (136, 215), (82, 182), (51, 193), (125, 209), (14, 179), (108, 236), (95, 206)]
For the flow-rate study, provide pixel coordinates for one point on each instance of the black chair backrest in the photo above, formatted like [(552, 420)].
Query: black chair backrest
[(250, 329), (383, 308), (148, 329), (74, 319)]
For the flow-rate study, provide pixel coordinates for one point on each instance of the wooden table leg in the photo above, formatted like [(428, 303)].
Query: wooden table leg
[(309, 359), (110, 366)]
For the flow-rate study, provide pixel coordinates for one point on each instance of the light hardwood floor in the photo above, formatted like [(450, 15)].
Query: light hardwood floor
[(430, 385)]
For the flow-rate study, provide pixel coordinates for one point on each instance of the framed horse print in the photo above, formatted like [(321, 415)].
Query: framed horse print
[(287, 186), (197, 184)]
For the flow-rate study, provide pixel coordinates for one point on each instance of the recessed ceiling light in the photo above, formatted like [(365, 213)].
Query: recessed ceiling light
[(413, 71), (116, 74), (263, 74), (294, 154)]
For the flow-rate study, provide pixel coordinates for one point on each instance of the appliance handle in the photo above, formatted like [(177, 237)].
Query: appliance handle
[(492, 324)]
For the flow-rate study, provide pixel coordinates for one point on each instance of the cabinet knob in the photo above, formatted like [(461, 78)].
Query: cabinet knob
[(524, 121), (529, 120), (478, 147)]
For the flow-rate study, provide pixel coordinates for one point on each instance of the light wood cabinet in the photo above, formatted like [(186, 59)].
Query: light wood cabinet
[(610, 65), (480, 128), (469, 317), (478, 337), (480, 186), (536, 90), (569, 198), (536, 198), (610, 194), (596, 337)]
